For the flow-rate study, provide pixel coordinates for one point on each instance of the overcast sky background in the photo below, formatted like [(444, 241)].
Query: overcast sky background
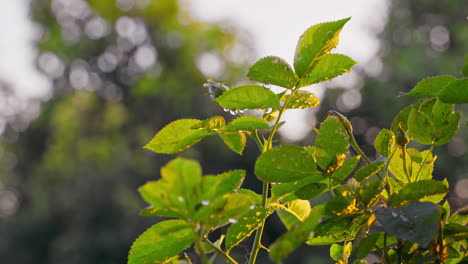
[(275, 25)]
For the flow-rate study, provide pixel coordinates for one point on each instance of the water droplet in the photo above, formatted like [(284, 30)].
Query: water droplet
[(181, 199), (394, 214), (226, 109), (205, 203), (295, 182), (252, 207), (233, 112), (268, 110), (232, 220), (197, 228), (311, 234)]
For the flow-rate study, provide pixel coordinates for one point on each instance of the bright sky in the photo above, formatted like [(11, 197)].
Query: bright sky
[(276, 26)]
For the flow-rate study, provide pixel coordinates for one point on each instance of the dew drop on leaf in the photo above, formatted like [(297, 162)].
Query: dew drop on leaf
[(232, 220), (181, 199), (252, 207), (205, 203)]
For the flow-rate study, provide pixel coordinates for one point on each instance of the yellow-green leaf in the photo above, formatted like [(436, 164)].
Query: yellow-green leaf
[(314, 43), (249, 96), (273, 70), (327, 68), (177, 136), (302, 99)]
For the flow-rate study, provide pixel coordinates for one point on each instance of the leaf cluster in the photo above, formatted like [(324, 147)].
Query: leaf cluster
[(390, 205)]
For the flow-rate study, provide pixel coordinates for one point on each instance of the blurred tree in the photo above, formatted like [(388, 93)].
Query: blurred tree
[(121, 70), (421, 39)]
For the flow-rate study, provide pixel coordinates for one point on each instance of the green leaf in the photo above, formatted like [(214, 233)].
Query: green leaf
[(417, 222), (245, 226), (218, 185), (314, 43), (304, 188), (418, 190), (248, 97), (345, 170), (296, 211), (285, 164), (292, 239), (177, 136), (369, 192), (367, 245), (455, 93), (336, 250), (327, 68), (310, 191), (160, 242), (421, 127), (224, 210), (430, 87), (385, 142), (212, 124), (247, 123), (368, 171), (331, 145), (273, 70), (302, 99), (235, 141), (414, 160)]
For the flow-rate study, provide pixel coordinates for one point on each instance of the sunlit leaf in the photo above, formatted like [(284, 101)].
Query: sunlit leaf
[(273, 70), (285, 164), (418, 190), (246, 225), (212, 124), (247, 123), (314, 43), (235, 141), (385, 142), (336, 250), (161, 242), (413, 160), (345, 170), (368, 171), (430, 87), (417, 222), (302, 99), (177, 136), (331, 144), (297, 211), (455, 93), (327, 68), (248, 97)]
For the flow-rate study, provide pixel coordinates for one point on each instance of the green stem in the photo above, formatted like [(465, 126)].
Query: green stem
[(405, 169), (259, 233), (265, 147), (424, 162), (200, 249), (220, 251)]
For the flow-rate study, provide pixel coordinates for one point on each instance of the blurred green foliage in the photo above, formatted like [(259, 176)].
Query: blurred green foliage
[(78, 165)]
